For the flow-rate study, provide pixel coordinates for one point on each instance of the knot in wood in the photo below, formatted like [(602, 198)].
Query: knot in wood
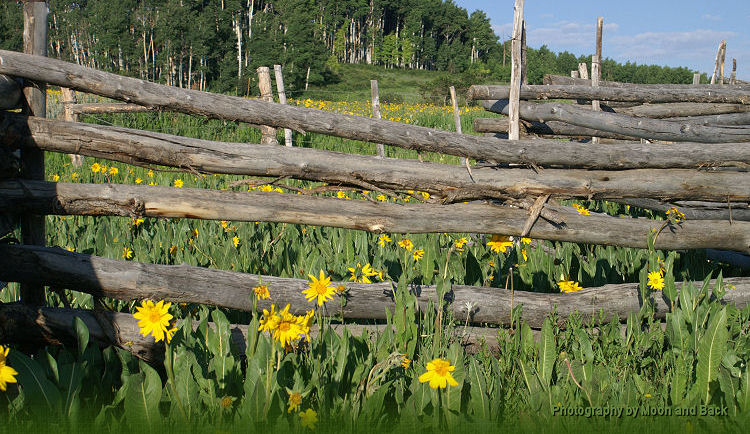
[(136, 208)]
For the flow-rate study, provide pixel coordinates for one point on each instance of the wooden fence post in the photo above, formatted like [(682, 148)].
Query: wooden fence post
[(583, 70), (733, 76), (32, 160), (375, 94), (282, 99), (457, 117), (68, 98), (596, 68), (721, 64), (515, 74), (524, 77), (575, 74), (268, 134), (697, 78), (722, 45)]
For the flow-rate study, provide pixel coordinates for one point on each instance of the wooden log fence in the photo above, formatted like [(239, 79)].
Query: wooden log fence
[(625, 125), (556, 80), (559, 224), (187, 284), (448, 182)]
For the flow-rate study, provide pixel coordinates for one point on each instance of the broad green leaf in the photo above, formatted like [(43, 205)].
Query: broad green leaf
[(547, 352), (40, 394), (711, 349)]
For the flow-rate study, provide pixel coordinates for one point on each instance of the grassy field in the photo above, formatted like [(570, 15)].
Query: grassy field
[(356, 383)]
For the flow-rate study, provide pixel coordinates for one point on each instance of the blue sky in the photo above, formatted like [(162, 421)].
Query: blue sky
[(673, 33)]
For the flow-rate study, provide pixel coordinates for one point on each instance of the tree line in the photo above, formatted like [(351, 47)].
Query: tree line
[(217, 44)]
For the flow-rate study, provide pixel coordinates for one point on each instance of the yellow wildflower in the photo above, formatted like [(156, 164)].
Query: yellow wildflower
[(295, 400), (178, 183), (154, 319), (127, 253), (499, 243), (261, 292), (383, 240), (439, 374), (583, 211), (138, 180), (405, 362), (406, 244), (568, 286), (7, 374), (320, 288), (418, 254), (55, 177), (113, 171), (236, 240), (95, 168), (309, 418), (656, 280), (676, 214), (150, 173), (382, 198)]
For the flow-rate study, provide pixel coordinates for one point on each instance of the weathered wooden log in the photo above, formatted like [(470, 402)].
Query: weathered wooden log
[(541, 153), (108, 107), (636, 93), (10, 93), (154, 201), (677, 109), (739, 119), (186, 284), (561, 80), (550, 128), (739, 211), (449, 182), (626, 125)]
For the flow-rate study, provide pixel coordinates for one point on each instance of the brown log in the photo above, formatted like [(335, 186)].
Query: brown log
[(644, 128), (186, 284), (635, 93), (658, 111), (712, 211), (10, 93), (449, 182), (32, 328), (39, 197), (347, 126), (32, 159), (557, 80)]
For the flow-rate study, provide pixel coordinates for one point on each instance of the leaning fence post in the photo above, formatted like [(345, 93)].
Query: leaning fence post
[(32, 160), (375, 94), (456, 117), (268, 134), (282, 99)]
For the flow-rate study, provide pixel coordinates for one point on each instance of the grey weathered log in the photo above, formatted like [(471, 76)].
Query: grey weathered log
[(187, 284), (644, 128), (550, 128), (348, 126), (10, 93), (711, 211), (30, 328), (442, 180), (109, 107), (32, 159), (552, 79), (738, 119), (669, 110), (40, 197), (636, 93)]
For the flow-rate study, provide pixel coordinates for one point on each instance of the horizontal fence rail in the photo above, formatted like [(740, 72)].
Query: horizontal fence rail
[(186, 284), (448, 182), (538, 152)]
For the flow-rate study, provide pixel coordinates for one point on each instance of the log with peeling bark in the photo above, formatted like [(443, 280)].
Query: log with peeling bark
[(10, 93), (655, 129), (155, 201), (30, 328), (194, 154), (126, 280), (670, 110), (306, 119), (711, 211), (636, 93), (561, 80)]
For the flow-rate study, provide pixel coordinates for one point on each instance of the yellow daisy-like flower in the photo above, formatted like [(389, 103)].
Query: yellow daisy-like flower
[(138, 180), (525, 256), (154, 319), (309, 418), (236, 240), (74, 176), (224, 224), (269, 321), (568, 286), (439, 374), (656, 280), (127, 253), (676, 214), (261, 292), (341, 195), (405, 362), (295, 400), (305, 323), (406, 244), (320, 288), (382, 198), (583, 211), (460, 243), (425, 195), (288, 328), (7, 374), (362, 274), (178, 183), (418, 254), (114, 171), (173, 250), (95, 168), (383, 240), (55, 177), (525, 240), (499, 243), (266, 188), (150, 173)]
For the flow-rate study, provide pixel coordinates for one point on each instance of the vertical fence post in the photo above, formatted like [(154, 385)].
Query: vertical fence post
[(575, 74), (282, 99), (32, 160), (722, 45), (515, 72), (596, 68), (375, 94), (696, 78), (268, 134), (721, 63), (69, 97), (524, 77), (583, 70), (733, 77), (456, 117)]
